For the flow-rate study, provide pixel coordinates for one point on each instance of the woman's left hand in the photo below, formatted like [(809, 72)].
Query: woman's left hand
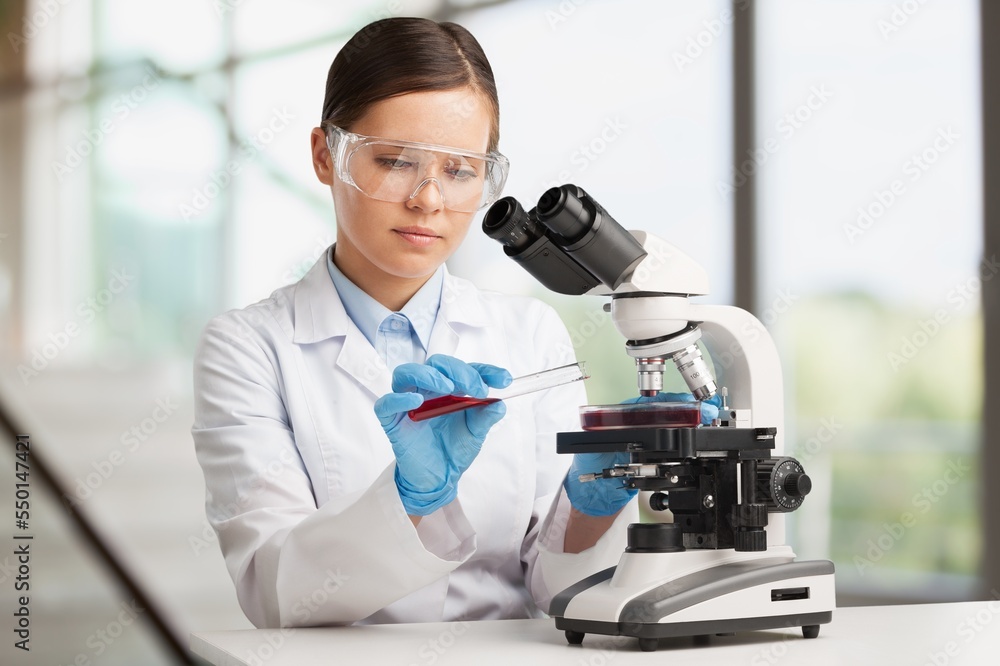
[(606, 497)]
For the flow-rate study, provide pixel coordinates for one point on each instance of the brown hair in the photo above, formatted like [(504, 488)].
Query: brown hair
[(400, 55)]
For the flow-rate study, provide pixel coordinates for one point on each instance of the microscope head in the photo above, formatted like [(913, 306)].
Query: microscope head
[(573, 246), (568, 242)]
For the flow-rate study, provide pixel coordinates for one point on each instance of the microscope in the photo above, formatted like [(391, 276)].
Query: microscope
[(721, 565)]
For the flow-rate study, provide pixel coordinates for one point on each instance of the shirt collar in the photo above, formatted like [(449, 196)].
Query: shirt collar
[(368, 314), (422, 308)]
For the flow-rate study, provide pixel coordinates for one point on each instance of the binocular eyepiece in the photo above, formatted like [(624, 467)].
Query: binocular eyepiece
[(568, 242), (507, 223)]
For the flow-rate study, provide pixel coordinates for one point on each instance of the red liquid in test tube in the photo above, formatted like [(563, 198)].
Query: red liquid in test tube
[(539, 381), (446, 404)]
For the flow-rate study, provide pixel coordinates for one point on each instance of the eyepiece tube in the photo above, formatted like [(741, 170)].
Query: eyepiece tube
[(528, 243), (562, 211), (588, 234), (568, 241), (507, 223)]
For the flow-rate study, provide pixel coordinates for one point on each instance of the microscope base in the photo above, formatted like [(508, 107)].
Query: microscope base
[(649, 634), (744, 596)]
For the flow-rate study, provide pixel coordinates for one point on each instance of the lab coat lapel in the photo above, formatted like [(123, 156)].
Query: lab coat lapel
[(460, 310), (360, 360), (320, 315), (444, 339)]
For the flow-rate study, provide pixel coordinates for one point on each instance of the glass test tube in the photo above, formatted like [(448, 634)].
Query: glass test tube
[(539, 381)]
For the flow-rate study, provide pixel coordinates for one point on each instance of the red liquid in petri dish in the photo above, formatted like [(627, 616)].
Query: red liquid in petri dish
[(446, 404), (617, 417)]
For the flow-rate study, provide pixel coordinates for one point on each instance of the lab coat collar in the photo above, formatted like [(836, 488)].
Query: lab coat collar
[(319, 313)]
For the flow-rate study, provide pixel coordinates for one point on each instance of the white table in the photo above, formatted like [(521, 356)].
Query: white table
[(931, 634)]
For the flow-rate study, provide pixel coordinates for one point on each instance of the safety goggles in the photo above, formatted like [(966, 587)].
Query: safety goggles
[(396, 171)]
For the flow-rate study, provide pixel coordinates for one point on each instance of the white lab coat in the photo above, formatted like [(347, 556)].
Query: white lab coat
[(299, 473)]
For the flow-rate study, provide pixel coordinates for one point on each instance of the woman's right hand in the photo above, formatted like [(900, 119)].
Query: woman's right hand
[(432, 455)]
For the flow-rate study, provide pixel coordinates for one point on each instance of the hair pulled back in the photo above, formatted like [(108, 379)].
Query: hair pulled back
[(399, 55)]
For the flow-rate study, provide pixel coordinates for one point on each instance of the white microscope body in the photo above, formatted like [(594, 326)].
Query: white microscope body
[(701, 591), (722, 564)]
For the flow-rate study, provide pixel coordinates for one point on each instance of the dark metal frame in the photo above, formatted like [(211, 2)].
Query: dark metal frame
[(744, 139), (989, 460)]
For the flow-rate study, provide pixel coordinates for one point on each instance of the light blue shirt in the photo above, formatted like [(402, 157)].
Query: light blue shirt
[(398, 337)]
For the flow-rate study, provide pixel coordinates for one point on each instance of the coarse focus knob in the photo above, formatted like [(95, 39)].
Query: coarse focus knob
[(750, 540), (782, 484), (750, 515)]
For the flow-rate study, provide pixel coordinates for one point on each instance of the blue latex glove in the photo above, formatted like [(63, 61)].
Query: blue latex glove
[(432, 455), (606, 497), (600, 497)]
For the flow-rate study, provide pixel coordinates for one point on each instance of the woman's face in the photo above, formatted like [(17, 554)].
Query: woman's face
[(379, 240)]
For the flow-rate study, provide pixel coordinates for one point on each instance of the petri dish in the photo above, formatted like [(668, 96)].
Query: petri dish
[(641, 415)]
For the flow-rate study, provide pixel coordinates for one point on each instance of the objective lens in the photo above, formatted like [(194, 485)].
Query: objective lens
[(562, 211), (695, 372), (650, 375), (507, 223)]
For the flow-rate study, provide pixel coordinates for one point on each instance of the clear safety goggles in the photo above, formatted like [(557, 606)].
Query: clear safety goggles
[(396, 171)]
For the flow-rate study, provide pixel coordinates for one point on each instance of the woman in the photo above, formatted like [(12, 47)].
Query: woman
[(331, 505)]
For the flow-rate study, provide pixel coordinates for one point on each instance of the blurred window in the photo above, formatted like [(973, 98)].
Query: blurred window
[(871, 244)]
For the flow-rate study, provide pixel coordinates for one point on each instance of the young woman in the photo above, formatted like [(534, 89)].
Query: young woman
[(331, 504)]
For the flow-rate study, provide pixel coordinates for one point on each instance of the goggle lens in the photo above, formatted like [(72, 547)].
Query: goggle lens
[(396, 171)]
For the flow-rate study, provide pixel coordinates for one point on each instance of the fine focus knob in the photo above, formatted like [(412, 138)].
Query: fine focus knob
[(797, 485), (782, 484)]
